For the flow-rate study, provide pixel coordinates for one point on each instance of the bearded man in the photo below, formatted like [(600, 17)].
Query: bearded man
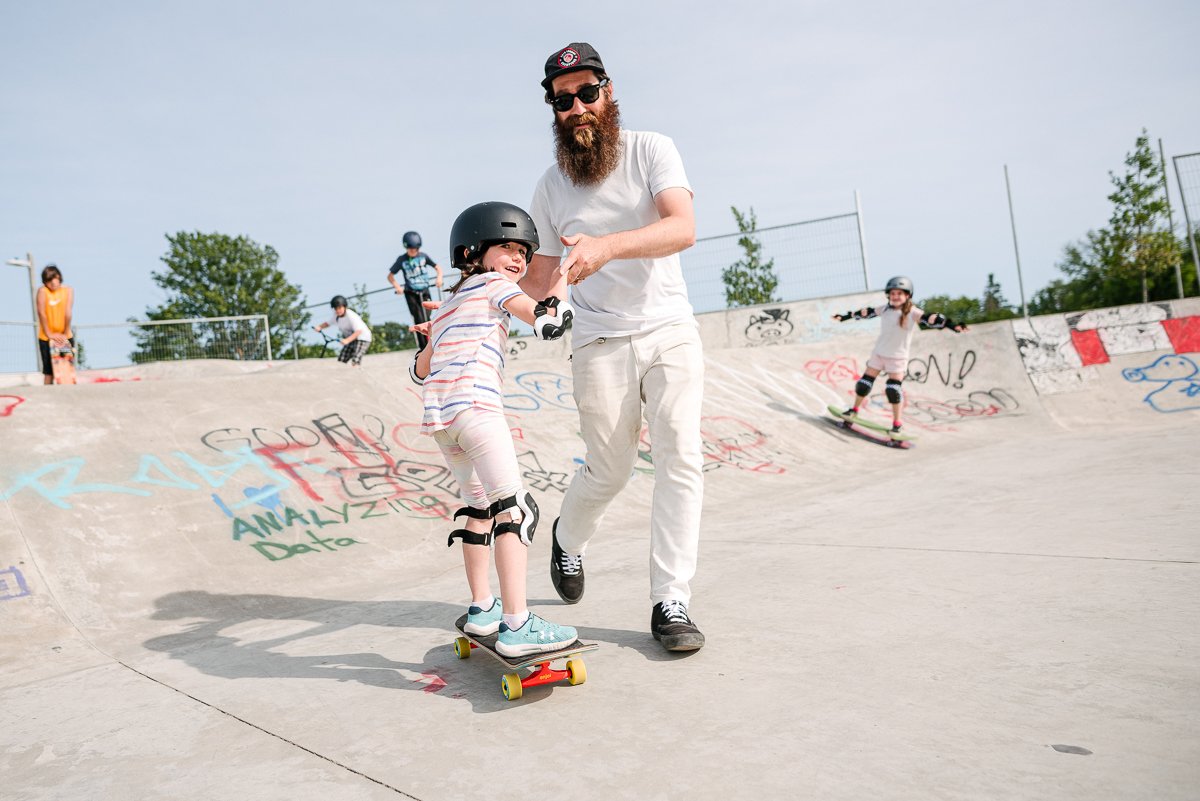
[(620, 201)]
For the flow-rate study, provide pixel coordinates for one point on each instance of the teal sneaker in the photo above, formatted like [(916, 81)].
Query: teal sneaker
[(535, 636), (482, 622)]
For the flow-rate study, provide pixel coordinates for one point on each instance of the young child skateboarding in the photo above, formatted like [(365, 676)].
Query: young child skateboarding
[(461, 372), (898, 320), (354, 334)]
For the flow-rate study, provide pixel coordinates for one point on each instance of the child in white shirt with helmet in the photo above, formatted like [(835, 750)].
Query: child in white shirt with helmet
[(898, 320)]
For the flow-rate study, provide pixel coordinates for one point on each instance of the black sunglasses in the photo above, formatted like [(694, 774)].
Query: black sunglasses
[(588, 94)]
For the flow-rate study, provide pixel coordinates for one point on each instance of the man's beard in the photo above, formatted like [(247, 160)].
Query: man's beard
[(590, 155)]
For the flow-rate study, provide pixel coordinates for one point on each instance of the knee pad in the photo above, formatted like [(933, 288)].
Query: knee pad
[(524, 511), (471, 537), (863, 387), (894, 393)]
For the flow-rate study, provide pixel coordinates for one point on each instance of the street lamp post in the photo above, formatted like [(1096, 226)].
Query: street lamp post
[(27, 263)]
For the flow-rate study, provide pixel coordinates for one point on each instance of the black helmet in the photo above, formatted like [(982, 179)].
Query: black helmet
[(485, 223), (900, 282), (338, 302), (412, 239)]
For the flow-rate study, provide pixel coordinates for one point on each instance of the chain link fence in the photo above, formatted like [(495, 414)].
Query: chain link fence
[(812, 259), (1187, 176), (110, 345)]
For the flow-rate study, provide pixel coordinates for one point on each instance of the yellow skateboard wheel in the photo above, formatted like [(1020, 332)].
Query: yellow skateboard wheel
[(462, 647), (511, 685)]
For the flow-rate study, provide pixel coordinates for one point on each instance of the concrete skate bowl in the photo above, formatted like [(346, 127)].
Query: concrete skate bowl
[(216, 582)]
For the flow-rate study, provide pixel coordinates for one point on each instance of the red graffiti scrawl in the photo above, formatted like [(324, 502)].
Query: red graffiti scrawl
[(8, 403)]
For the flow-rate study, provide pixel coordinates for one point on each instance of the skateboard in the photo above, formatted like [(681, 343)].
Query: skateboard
[(62, 363), (513, 684), (848, 423)]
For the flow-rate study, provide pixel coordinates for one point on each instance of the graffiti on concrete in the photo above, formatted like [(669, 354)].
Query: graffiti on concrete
[(12, 584), (278, 551), (516, 347), (920, 370), (1061, 352), (1045, 344), (769, 327), (1179, 378), (8, 403), (725, 442), (1119, 331), (539, 389)]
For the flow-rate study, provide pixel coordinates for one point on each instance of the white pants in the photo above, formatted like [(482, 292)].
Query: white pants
[(478, 449), (660, 373)]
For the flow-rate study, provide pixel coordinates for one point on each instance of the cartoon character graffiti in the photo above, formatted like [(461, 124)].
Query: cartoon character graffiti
[(1180, 379), (769, 328)]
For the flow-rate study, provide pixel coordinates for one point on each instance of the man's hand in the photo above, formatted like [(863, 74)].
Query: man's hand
[(431, 304), (588, 254)]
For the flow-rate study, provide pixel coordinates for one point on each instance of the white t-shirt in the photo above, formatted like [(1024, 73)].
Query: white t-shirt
[(894, 341), (625, 296), (350, 322)]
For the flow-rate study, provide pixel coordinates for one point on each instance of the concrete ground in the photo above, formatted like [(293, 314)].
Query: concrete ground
[(1007, 610)]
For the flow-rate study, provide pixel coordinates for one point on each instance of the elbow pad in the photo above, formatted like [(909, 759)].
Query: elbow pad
[(546, 326), (412, 371)]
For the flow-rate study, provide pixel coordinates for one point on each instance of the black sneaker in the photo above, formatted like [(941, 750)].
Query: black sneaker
[(670, 625), (566, 571)]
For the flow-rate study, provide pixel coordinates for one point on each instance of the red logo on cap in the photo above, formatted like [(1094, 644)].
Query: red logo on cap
[(568, 57)]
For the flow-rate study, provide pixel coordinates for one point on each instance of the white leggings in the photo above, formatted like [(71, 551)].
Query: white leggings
[(478, 449)]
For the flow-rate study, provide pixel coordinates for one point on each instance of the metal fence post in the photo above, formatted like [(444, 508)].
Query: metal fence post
[(862, 239)]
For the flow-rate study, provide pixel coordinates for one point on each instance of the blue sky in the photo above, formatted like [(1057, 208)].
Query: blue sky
[(327, 130)]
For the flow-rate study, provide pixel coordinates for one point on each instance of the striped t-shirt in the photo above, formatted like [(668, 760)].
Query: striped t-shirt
[(469, 337)]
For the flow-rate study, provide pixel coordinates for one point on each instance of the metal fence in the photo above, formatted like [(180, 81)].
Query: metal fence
[(812, 258), (246, 337), (1187, 176)]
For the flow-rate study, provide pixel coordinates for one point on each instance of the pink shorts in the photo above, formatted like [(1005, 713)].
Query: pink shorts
[(886, 364)]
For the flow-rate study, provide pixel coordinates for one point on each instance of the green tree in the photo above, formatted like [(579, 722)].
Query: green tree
[(749, 280), (1133, 259), (386, 337), (217, 275), (392, 336), (992, 306), (961, 309)]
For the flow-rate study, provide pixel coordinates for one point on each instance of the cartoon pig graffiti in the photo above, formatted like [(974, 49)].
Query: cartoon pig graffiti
[(769, 328)]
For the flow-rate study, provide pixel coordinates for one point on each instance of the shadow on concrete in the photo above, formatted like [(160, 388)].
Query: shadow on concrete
[(205, 645)]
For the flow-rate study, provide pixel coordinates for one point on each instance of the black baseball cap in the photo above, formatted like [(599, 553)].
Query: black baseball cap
[(572, 58)]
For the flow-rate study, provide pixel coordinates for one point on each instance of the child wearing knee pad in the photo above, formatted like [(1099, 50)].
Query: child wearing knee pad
[(461, 371), (898, 320)]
